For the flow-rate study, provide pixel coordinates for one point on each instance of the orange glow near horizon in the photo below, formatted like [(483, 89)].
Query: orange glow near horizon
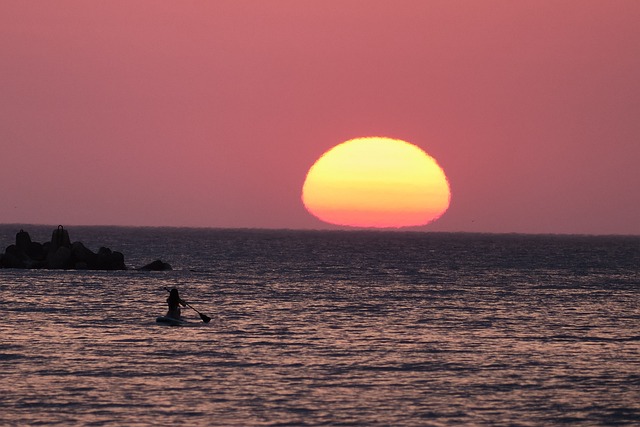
[(376, 182)]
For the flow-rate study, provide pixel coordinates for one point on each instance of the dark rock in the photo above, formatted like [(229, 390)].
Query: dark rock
[(12, 250), (103, 259), (34, 263), (23, 241), (106, 259), (11, 260), (117, 261), (36, 251), (81, 253), (80, 265), (59, 238), (60, 259), (59, 253), (156, 265)]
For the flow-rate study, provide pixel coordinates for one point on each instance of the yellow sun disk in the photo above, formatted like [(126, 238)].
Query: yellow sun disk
[(376, 182)]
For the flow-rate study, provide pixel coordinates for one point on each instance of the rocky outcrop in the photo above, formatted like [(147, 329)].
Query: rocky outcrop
[(156, 265), (59, 253)]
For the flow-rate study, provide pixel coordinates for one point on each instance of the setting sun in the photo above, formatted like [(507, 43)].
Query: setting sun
[(376, 182)]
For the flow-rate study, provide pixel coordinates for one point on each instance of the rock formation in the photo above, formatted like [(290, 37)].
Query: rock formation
[(156, 265), (60, 253)]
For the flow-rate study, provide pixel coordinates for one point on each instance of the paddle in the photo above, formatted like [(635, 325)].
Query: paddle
[(204, 317)]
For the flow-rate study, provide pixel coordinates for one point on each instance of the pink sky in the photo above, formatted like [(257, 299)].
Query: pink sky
[(210, 113)]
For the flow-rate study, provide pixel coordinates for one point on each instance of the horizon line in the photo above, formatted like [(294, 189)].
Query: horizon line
[(328, 229)]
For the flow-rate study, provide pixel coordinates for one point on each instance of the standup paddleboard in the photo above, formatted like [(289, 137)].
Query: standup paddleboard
[(170, 321)]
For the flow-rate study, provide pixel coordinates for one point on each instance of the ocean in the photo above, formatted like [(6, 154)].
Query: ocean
[(357, 328)]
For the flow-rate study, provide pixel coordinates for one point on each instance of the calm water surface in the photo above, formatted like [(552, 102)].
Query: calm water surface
[(327, 328)]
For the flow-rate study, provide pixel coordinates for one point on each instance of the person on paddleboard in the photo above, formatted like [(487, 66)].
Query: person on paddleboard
[(174, 303)]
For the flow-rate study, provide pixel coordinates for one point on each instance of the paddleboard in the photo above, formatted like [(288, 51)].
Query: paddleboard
[(170, 321)]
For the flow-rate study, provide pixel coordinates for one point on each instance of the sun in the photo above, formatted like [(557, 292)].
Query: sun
[(376, 182)]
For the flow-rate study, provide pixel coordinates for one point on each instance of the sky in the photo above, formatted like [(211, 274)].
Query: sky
[(210, 113)]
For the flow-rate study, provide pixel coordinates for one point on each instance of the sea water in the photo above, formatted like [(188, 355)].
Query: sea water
[(326, 328)]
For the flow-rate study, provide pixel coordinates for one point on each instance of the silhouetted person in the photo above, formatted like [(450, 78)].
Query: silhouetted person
[(174, 303)]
